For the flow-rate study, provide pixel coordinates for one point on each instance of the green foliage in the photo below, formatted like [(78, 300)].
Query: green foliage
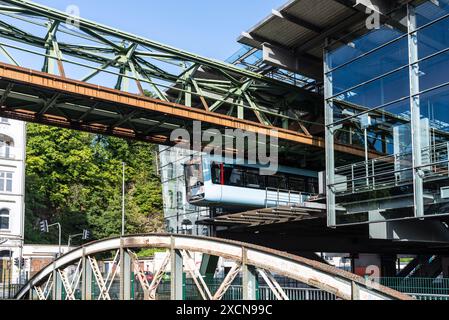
[(76, 178), (149, 253)]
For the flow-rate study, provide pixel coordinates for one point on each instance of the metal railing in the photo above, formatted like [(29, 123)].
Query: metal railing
[(8, 291), (391, 171), (282, 197)]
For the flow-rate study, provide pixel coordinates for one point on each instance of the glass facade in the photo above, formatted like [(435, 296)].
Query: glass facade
[(387, 93), (180, 216)]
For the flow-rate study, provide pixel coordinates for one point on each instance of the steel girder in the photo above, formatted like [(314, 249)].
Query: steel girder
[(32, 34), (247, 258)]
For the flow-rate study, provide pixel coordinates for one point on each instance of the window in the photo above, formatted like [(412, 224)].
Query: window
[(171, 199), (233, 177), (5, 181), (297, 184), (313, 186), (4, 219), (6, 145), (216, 173), (254, 180), (180, 199), (170, 171)]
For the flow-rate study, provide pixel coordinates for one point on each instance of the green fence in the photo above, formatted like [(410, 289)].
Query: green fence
[(420, 288)]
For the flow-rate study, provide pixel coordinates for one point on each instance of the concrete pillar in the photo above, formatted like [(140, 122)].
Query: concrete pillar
[(176, 264)]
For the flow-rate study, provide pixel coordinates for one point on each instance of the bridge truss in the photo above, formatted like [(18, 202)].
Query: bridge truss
[(62, 70), (75, 273)]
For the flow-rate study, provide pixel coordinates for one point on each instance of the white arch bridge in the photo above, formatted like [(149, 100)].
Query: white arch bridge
[(77, 275)]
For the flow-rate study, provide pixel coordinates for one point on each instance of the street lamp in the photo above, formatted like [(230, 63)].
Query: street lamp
[(123, 199)]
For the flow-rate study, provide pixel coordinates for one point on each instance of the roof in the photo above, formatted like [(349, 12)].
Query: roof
[(302, 26)]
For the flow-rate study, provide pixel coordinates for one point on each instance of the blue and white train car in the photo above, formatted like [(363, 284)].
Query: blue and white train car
[(213, 182)]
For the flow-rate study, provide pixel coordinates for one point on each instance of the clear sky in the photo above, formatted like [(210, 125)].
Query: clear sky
[(206, 27)]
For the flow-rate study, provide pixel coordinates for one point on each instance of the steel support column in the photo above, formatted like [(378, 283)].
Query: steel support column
[(86, 286), (330, 143), (415, 113), (176, 264), (125, 274), (249, 280), (57, 286)]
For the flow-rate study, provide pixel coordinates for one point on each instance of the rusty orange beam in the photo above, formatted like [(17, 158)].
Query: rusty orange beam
[(70, 87)]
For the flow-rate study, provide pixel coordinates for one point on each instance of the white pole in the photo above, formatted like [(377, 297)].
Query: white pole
[(123, 200)]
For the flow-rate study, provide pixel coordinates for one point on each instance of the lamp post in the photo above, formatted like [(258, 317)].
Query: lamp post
[(123, 199)]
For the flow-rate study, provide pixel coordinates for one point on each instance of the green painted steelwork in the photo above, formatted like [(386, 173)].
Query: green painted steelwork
[(84, 50)]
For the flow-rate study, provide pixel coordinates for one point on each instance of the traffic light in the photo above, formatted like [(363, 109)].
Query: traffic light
[(43, 225), (86, 234), (19, 263)]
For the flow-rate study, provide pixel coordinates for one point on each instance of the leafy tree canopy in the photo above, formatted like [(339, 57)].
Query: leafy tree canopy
[(75, 178)]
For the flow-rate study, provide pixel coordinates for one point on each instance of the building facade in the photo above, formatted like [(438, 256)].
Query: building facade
[(387, 93), (12, 195), (180, 216)]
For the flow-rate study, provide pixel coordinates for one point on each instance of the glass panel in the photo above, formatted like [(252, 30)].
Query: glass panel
[(433, 38), (254, 180), (429, 11), (297, 184), (380, 126), (434, 110), (381, 91), (4, 223), (9, 185), (362, 45), (312, 186), (434, 71), (216, 173), (371, 66), (234, 177)]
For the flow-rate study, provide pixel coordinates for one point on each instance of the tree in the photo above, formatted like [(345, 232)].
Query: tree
[(75, 178)]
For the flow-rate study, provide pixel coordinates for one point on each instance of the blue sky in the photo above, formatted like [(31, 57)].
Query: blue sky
[(206, 27)]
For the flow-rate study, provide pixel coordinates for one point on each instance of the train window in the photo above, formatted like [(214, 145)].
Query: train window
[(233, 177), (313, 186), (194, 175), (283, 185), (254, 180), (272, 182), (216, 173), (297, 184)]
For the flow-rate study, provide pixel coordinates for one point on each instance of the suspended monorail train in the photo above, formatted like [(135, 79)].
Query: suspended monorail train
[(213, 182)]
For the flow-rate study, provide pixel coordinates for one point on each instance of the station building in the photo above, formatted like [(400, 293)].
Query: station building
[(380, 69)]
